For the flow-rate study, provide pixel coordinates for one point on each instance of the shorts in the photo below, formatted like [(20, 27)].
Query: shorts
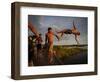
[(68, 31)]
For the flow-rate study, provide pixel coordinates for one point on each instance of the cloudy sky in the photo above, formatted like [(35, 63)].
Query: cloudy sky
[(59, 23)]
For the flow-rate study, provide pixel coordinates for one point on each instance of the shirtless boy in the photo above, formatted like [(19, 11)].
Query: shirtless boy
[(49, 39), (73, 31)]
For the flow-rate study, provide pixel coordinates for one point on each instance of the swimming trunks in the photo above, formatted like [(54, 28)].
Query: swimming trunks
[(68, 31)]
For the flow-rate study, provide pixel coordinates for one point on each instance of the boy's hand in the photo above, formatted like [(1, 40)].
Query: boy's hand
[(58, 37)]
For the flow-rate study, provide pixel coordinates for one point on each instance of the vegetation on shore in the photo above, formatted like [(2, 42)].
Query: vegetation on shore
[(63, 51)]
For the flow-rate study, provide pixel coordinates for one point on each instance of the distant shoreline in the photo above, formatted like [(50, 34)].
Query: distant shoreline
[(81, 45), (74, 45)]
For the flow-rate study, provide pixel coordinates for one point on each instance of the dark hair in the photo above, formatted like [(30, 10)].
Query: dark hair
[(40, 34), (49, 28)]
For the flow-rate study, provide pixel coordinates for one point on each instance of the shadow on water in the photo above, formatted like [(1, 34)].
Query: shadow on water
[(80, 58)]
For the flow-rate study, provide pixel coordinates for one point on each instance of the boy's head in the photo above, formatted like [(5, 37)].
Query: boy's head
[(49, 29), (40, 34)]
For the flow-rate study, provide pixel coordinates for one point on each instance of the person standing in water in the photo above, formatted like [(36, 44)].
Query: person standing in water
[(49, 39)]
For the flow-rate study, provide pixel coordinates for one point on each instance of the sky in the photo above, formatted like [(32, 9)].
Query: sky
[(58, 23)]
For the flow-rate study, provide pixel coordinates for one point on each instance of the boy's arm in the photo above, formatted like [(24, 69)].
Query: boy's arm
[(74, 25), (45, 38), (76, 39), (56, 36), (32, 28)]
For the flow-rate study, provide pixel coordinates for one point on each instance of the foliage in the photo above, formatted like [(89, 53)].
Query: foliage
[(63, 51)]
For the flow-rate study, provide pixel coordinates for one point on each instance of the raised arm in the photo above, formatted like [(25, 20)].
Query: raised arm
[(74, 25), (32, 28)]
